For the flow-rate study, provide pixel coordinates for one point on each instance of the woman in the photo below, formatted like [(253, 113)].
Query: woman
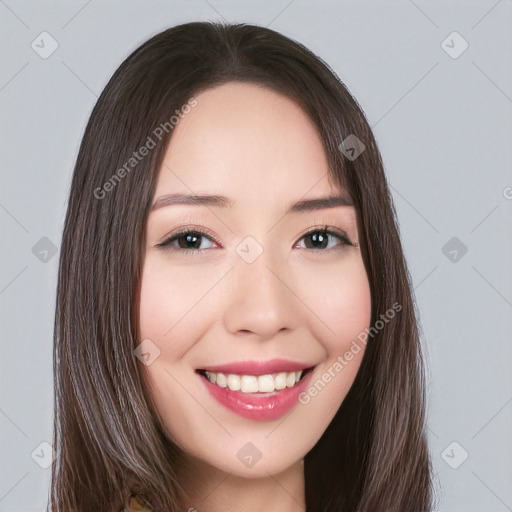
[(235, 327)]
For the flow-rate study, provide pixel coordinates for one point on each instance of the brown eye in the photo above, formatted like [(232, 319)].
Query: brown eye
[(187, 240), (324, 239)]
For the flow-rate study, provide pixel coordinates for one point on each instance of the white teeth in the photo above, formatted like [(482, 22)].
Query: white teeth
[(234, 382), (221, 380), (290, 379), (249, 384), (266, 384), (280, 380), (255, 383)]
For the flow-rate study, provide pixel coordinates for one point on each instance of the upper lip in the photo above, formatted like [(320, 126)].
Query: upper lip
[(258, 367)]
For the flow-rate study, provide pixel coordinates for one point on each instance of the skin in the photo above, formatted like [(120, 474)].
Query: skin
[(206, 307)]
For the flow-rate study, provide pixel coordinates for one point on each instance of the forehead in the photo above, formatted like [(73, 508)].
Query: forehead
[(248, 142)]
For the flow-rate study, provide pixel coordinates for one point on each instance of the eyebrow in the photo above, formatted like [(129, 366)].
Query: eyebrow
[(305, 205)]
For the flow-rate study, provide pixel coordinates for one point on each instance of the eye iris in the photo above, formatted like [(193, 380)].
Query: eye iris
[(319, 239), (190, 238)]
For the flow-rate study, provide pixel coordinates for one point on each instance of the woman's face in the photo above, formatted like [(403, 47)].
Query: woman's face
[(249, 296)]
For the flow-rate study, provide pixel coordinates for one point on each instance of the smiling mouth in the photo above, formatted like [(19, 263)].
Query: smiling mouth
[(244, 383)]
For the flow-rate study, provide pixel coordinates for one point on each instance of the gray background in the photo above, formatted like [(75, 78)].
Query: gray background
[(444, 126)]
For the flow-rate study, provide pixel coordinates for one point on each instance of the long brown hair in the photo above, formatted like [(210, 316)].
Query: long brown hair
[(374, 455)]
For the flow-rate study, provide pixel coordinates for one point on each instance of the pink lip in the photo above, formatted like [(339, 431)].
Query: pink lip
[(258, 367), (258, 406)]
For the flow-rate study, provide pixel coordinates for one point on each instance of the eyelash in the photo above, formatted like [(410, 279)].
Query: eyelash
[(166, 244)]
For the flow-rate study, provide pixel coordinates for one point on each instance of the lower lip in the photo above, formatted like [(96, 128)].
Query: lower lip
[(258, 406)]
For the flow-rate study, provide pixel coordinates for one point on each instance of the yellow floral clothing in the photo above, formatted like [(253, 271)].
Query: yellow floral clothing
[(132, 504)]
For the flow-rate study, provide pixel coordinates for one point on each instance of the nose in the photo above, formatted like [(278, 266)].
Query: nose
[(260, 299)]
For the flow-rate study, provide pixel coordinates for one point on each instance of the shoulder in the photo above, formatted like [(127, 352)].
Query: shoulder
[(133, 504)]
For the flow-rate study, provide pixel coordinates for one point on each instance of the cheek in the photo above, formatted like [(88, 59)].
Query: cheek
[(170, 296), (163, 302), (157, 310), (350, 310), (339, 296), (341, 300)]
